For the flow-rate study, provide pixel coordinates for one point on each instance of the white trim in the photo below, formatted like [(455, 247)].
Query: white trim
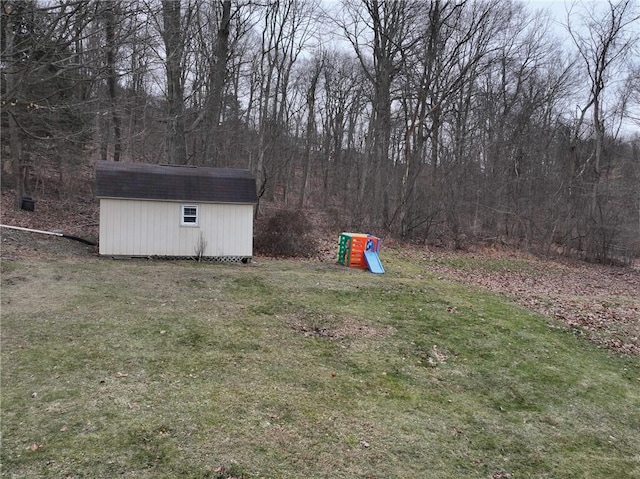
[(193, 217)]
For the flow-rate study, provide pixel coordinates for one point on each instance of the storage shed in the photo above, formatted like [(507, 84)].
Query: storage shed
[(175, 211)]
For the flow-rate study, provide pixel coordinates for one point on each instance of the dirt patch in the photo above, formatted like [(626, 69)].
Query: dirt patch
[(347, 328)]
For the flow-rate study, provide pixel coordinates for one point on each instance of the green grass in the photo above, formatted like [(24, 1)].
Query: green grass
[(298, 369)]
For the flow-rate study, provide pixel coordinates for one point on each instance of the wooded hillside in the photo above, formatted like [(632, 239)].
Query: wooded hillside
[(431, 121)]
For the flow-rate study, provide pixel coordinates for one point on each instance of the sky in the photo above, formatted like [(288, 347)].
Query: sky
[(558, 10)]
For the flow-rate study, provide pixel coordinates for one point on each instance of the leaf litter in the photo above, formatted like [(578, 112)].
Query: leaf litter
[(601, 303)]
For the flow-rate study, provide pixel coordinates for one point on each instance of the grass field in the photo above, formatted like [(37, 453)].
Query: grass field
[(286, 369)]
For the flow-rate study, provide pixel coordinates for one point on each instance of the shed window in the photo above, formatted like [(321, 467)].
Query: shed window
[(189, 215)]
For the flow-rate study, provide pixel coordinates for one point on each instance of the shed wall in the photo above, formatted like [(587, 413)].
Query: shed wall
[(152, 228)]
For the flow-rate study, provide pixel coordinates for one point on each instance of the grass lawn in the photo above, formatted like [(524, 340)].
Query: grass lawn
[(151, 369)]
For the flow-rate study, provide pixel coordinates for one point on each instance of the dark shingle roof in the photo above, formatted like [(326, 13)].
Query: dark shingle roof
[(180, 183)]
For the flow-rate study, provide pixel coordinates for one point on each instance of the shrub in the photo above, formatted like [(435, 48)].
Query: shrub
[(287, 233)]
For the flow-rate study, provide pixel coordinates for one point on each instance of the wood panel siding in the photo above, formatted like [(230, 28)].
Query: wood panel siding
[(152, 228)]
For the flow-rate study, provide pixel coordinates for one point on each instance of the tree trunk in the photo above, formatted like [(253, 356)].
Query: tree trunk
[(310, 134), (12, 97), (218, 76), (110, 50), (173, 41)]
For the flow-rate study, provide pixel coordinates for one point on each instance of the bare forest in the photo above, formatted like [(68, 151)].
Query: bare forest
[(438, 122)]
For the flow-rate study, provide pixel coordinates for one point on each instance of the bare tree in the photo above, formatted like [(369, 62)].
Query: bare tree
[(453, 50), (42, 111), (174, 42), (443, 120), (111, 22), (287, 27), (212, 51), (380, 34), (315, 71), (11, 94), (219, 69), (604, 40)]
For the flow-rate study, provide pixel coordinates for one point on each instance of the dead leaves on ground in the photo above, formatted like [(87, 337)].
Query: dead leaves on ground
[(602, 303)]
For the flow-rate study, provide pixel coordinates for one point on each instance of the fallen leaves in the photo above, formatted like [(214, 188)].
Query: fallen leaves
[(79, 217), (601, 302), (439, 355)]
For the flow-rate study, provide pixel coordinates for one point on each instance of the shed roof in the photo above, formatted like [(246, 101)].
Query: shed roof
[(174, 183)]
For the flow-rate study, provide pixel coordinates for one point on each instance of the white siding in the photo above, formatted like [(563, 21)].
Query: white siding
[(152, 228)]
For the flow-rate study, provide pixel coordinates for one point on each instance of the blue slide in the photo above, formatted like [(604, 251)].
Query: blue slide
[(373, 262)]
